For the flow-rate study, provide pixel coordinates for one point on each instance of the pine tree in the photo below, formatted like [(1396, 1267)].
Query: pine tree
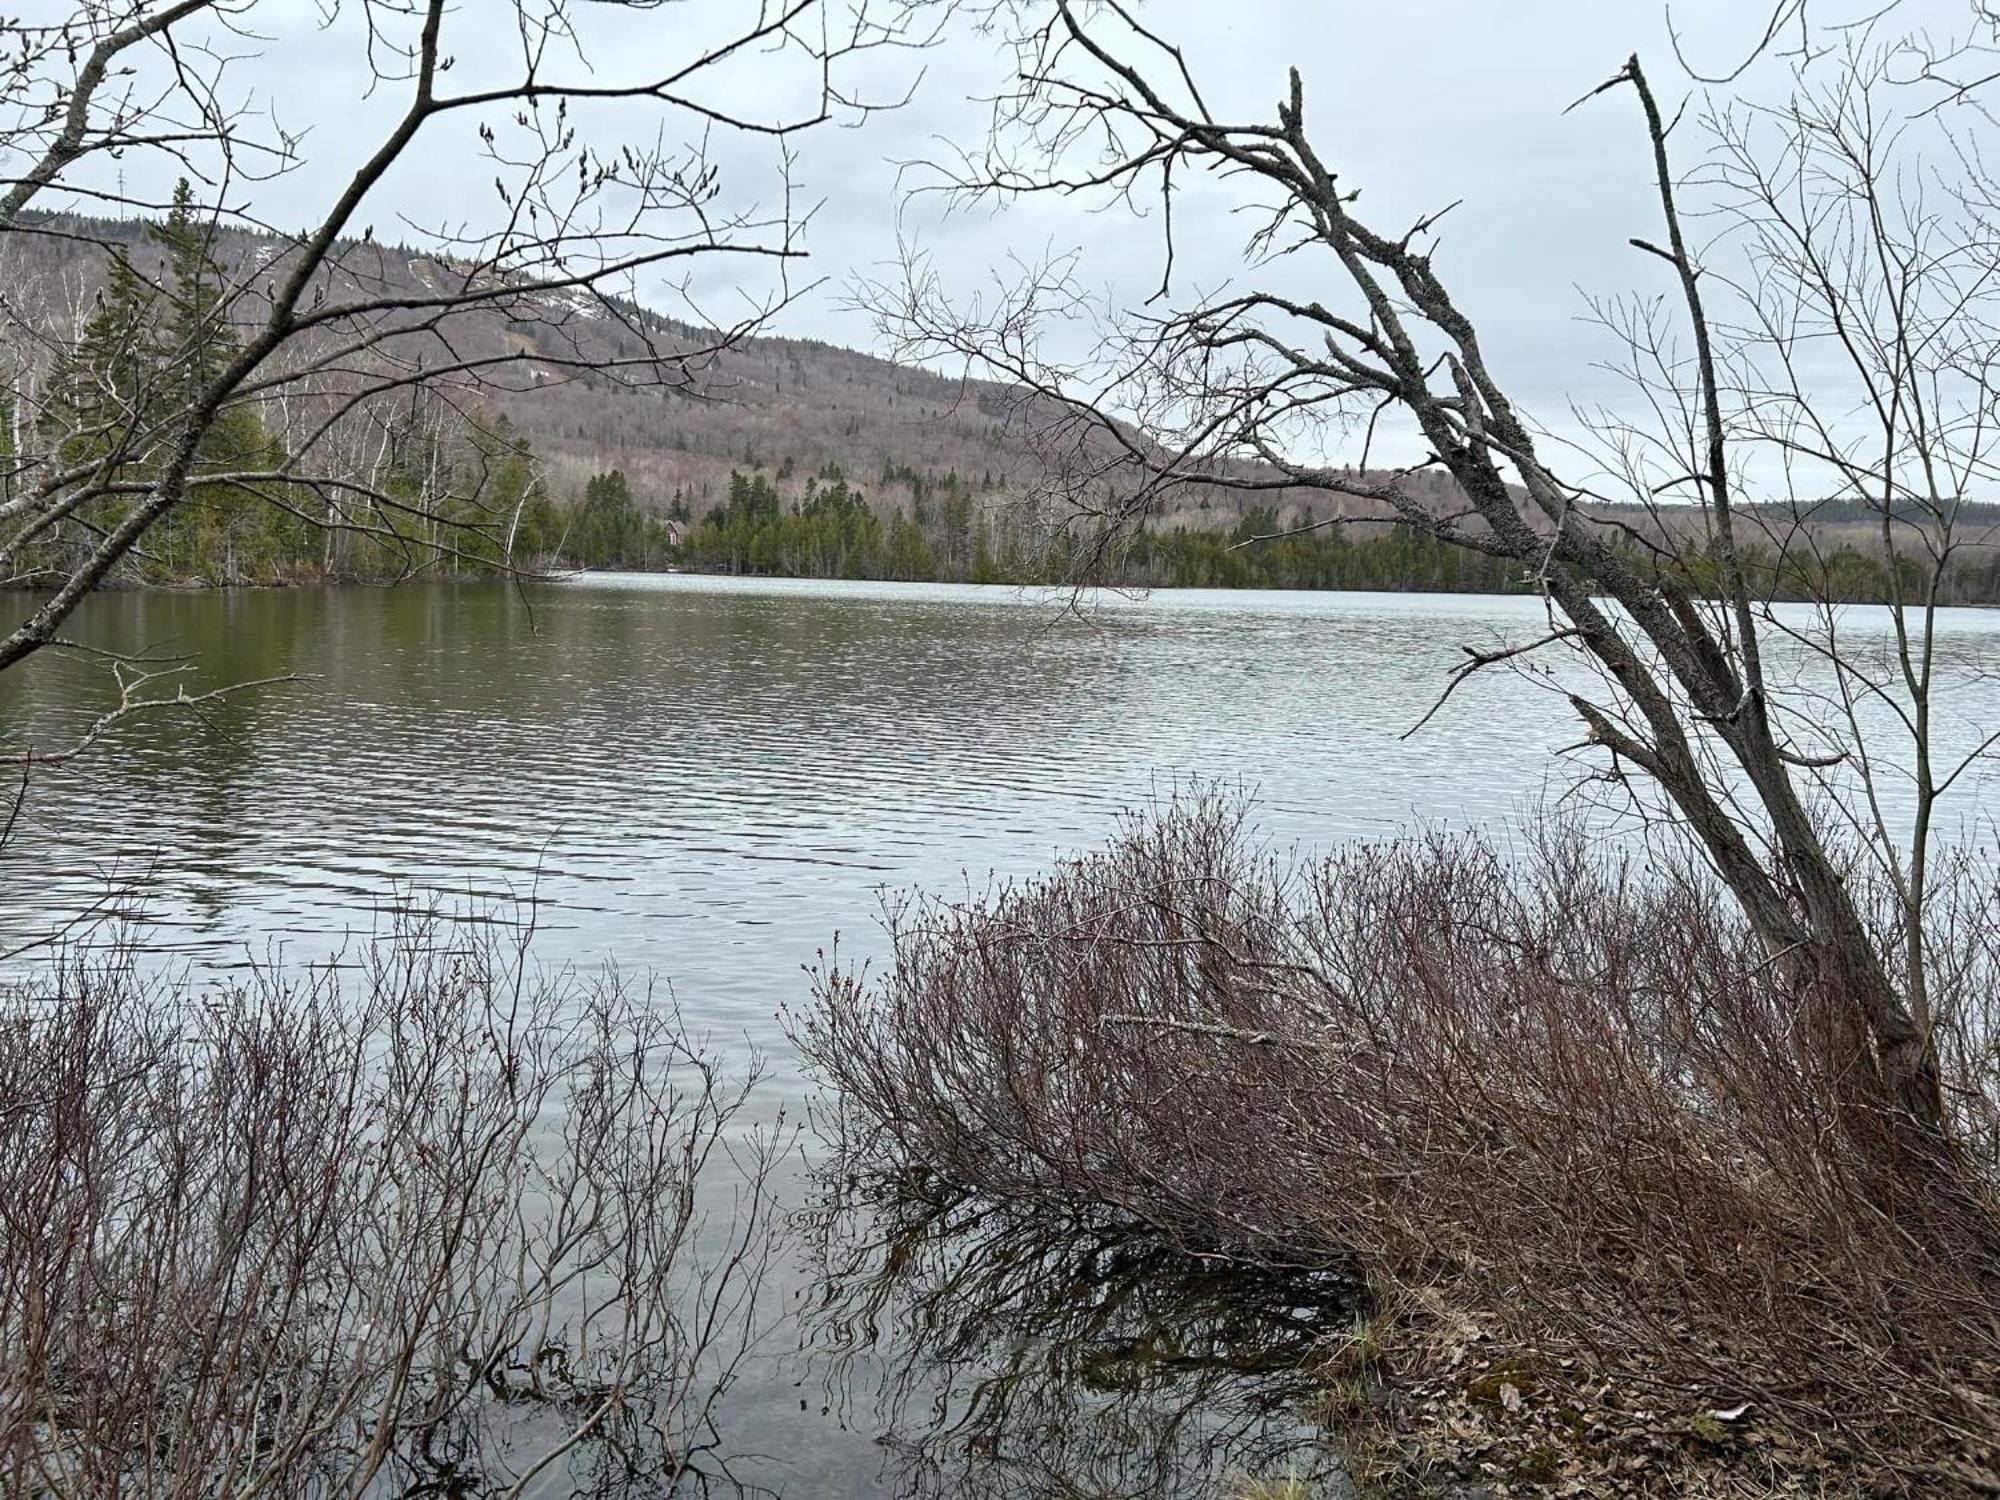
[(199, 341)]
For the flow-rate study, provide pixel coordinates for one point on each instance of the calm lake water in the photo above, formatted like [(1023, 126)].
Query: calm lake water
[(707, 779)]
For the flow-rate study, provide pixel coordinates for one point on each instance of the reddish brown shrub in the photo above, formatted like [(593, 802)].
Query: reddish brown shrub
[(1562, 1086), (432, 1224)]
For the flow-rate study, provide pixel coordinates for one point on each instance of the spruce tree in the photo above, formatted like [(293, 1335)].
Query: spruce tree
[(224, 532), (197, 335)]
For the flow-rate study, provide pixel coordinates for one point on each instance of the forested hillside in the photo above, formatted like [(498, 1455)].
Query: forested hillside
[(774, 455)]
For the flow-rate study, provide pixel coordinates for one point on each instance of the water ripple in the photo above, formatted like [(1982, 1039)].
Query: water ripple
[(707, 777)]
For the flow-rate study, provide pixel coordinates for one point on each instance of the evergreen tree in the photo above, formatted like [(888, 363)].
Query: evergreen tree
[(199, 341)]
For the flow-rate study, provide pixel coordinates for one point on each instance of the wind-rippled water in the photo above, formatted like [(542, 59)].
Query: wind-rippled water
[(706, 778)]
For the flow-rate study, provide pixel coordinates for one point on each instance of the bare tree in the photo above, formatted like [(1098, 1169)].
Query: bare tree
[(234, 373), (1681, 669)]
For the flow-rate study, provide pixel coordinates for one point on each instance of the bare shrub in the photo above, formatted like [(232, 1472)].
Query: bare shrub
[(433, 1223), (1560, 1087)]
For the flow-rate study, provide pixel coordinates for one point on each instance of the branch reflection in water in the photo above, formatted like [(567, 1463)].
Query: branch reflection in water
[(999, 1352)]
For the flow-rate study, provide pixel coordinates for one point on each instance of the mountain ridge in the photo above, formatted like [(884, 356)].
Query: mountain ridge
[(797, 408)]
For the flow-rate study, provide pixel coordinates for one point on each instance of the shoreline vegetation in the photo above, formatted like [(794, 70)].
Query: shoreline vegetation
[(1544, 1101), (831, 531), (365, 1227), (464, 494)]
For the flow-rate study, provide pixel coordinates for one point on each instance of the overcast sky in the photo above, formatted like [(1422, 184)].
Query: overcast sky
[(1418, 103)]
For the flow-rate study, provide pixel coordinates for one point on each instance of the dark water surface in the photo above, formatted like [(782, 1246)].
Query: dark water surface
[(705, 779)]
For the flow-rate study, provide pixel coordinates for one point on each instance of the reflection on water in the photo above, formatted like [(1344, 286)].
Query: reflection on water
[(708, 777), (605, 1454), (996, 1354), (967, 1351)]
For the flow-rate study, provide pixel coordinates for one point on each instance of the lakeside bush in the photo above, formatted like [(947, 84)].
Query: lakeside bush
[(1550, 1104), (430, 1225)]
